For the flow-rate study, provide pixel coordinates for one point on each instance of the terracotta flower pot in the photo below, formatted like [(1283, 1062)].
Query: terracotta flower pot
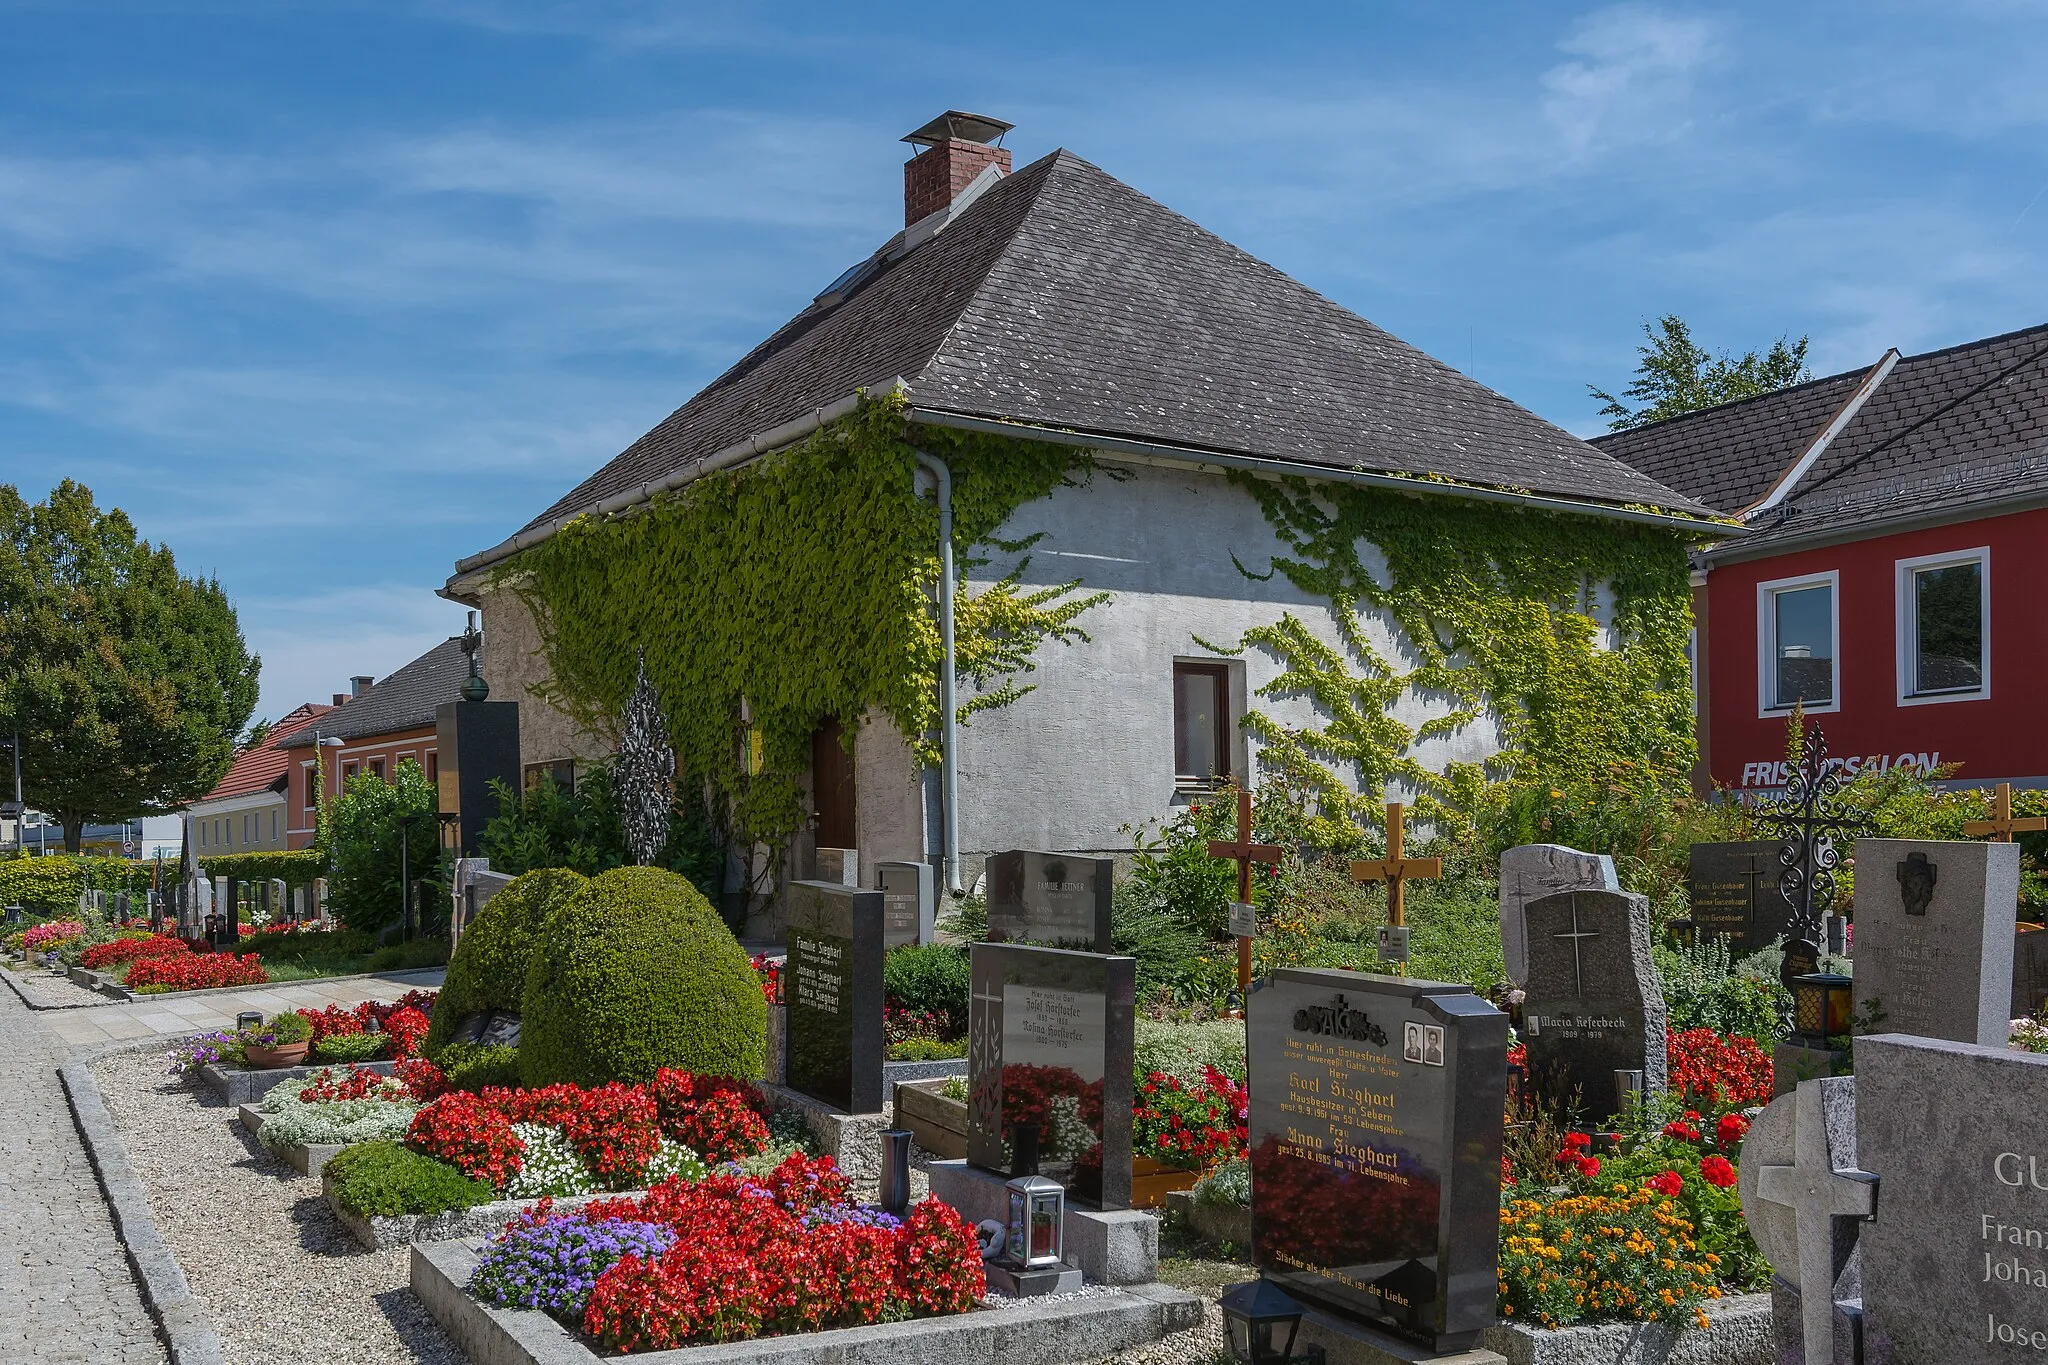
[(270, 1058)]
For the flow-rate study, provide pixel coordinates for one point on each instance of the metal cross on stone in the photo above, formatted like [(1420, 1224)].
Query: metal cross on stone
[(1244, 853), (1819, 1194), (2001, 826), (1807, 820), (1395, 870)]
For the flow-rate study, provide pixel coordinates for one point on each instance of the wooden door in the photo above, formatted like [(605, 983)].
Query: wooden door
[(832, 791)]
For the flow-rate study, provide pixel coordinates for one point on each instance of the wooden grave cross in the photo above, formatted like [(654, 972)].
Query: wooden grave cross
[(2001, 826), (1244, 853), (1394, 870)]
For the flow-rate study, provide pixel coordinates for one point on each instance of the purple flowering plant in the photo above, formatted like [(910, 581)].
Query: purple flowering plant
[(551, 1264), (194, 1053), (860, 1215)]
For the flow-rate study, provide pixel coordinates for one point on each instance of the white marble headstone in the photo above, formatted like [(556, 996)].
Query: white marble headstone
[(1531, 871)]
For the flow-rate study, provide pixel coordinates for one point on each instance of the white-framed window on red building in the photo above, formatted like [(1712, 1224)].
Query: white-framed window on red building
[(1944, 627), (1798, 646)]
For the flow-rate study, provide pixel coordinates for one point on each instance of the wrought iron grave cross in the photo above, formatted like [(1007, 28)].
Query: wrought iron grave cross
[(1807, 820)]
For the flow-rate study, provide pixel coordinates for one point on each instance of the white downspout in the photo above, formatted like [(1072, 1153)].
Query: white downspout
[(949, 748)]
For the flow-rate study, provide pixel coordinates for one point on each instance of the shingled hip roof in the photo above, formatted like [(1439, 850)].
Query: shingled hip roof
[(1064, 299), (404, 700)]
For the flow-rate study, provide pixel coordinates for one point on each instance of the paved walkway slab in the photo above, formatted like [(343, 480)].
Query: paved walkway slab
[(162, 1015)]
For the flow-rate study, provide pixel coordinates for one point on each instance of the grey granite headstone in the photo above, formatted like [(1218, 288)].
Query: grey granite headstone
[(1934, 937), (1531, 871), (909, 902), (1805, 1199), (1734, 893), (1955, 1266), (2029, 973), (1375, 1140), (840, 866), (1057, 899), (832, 1033), (1594, 1005), (1051, 1037)]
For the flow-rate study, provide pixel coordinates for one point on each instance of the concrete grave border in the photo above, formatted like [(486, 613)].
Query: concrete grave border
[(181, 1320), (1042, 1332)]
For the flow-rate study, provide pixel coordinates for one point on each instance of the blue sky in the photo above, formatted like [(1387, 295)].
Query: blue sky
[(328, 296)]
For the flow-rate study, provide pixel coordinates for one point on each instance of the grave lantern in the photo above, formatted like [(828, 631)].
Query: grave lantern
[(1260, 1321), (1035, 1234), (247, 1019), (1821, 1006)]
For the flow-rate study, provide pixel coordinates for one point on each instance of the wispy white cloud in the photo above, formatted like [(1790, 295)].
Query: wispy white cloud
[(1629, 80)]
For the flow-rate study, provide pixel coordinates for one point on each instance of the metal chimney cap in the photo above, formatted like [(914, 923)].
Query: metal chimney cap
[(956, 124)]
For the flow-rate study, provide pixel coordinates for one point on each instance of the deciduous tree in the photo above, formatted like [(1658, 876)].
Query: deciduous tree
[(127, 682), (1676, 375)]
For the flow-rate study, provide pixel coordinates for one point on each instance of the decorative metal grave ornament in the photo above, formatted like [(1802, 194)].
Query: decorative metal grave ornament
[(474, 688), (646, 772), (1807, 820)]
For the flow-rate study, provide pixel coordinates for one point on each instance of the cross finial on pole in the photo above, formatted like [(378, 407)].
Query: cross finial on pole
[(1244, 853), (2001, 826), (1394, 870)]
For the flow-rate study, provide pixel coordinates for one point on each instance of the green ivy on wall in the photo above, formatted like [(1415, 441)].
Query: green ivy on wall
[(801, 585), (1496, 608)]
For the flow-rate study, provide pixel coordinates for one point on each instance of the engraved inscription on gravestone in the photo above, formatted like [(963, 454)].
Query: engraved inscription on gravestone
[(1934, 937), (909, 899), (1955, 1265), (1375, 1142), (1734, 893), (1050, 1040), (1594, 1005), (832, 1036), (1050, 898)]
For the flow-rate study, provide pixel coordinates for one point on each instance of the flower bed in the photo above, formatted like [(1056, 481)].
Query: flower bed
[(195, 972), (732, 1257), (124, 950), (43, 938)]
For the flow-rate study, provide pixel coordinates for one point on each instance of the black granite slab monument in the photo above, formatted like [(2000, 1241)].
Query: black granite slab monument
[(1375, 1138), (1735, 893), (1594, 1005), (1050, 898), (1050, 1042), (832, 986)]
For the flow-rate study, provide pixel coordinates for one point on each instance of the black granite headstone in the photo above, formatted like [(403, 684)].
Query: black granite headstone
[(1050, 898), (1375, 1148), (1735, 893), (2029, 972), (909, 902), (1050, 1041), (1594, 1005), (832, 984)]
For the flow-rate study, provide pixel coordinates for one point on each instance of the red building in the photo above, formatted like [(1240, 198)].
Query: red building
[(372, 731), (1896, 560)]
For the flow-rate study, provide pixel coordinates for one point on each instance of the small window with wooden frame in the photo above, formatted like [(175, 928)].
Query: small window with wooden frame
[(1201, 724)]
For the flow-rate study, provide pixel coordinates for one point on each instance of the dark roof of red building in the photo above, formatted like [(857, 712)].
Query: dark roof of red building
[(1064, 298), (263, 766), (404, 700), (1947, 431)]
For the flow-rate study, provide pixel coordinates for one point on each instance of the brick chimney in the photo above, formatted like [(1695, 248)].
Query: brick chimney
[(360, 684), (954, 148)]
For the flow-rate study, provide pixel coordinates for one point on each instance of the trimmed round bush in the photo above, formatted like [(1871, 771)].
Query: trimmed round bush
[(639, 973), (488, 970)]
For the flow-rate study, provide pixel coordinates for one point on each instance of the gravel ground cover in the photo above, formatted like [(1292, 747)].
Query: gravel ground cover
[(283, 1283), (45, 991)]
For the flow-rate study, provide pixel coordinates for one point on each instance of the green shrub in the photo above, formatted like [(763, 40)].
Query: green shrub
[(472, 1066), (1229, 1186), (930, 978), (348, 1047), (640, 973), (371, 832), (927, 1050), (384, 1178), (488, 969), (1702, 989), (282, 1030), (1182, 1049)]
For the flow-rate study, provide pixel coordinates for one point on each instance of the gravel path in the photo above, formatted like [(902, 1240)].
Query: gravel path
[(282, 1282), (64, 1279)]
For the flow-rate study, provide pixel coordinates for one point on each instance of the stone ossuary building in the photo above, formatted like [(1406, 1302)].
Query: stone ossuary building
[(1205, 519)]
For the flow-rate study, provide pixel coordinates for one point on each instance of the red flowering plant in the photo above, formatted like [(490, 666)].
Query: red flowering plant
[(469, 1134), (422, 1080), (404, 1027), (770, 972), (614, 1129), (332, 1021), (194, 972), (352, 1083), (719, 1126), (1189, 1127), (1716, 1072), (101, 956)]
